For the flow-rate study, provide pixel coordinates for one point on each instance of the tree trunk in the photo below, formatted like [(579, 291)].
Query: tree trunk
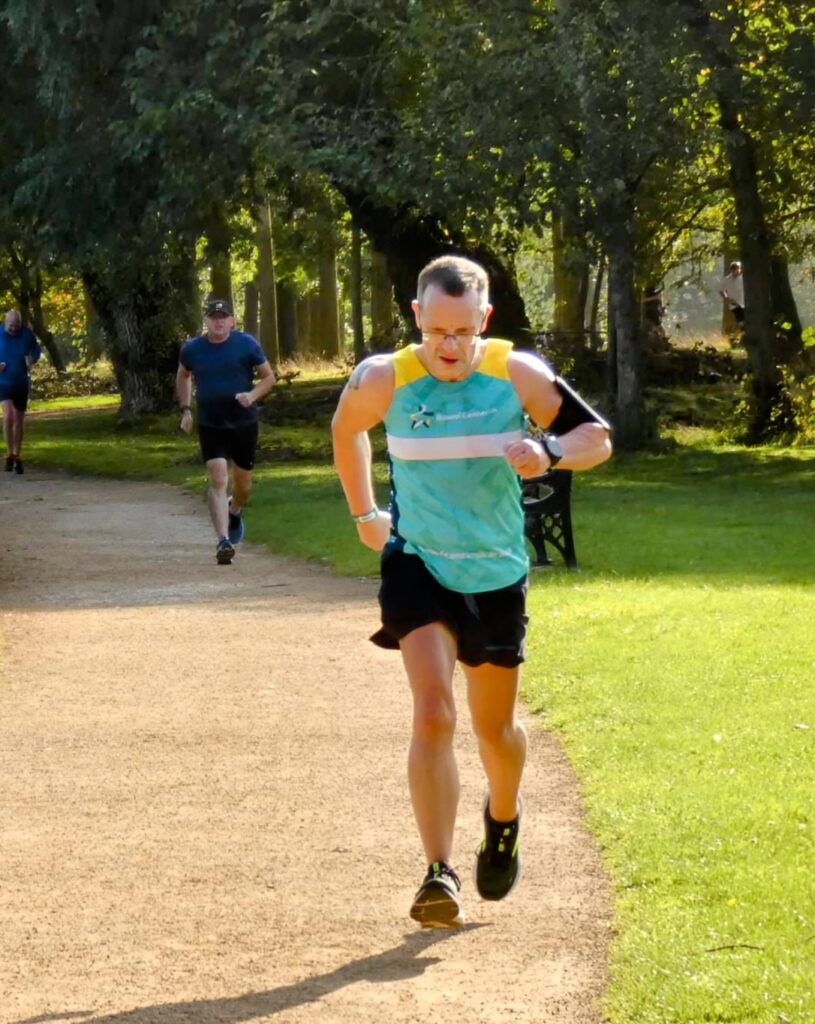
[(328, 332), (767, 345), (785, 308), (287, 319), (266, 284), (304, 325), (41, 327), (95, 340), (570, 274), (143, 343), (48, 343), (594, 334), (219, 240), (629, 420), (409, 241), (381, 305), (356, 294), (250, 308)]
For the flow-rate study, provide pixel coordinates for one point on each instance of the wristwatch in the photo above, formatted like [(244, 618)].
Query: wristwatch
[(552, 447), (367, 517)]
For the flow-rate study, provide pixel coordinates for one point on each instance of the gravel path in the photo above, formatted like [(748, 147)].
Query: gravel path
[(204, 813)]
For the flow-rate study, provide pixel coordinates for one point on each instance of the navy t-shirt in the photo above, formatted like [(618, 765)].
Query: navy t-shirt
[(221, 371), (13, 350)]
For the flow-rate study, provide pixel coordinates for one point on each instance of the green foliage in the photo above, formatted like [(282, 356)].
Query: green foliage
[(799, 390), (79, 381)]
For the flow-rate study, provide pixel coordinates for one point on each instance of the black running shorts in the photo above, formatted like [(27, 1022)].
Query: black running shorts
[(235, 443), (489, 627), (18, 397)]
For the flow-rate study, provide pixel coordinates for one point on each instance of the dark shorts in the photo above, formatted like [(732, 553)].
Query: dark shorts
[(235, 443), (489, 627), (738, 313), (18, 396)]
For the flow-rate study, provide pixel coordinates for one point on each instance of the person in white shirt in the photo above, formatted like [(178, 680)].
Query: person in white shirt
[(731, 289)]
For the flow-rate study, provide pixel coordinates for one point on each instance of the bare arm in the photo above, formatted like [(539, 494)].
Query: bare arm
[(262, 388), (34, 352), (584, 447), (363, 403), (183, 388)]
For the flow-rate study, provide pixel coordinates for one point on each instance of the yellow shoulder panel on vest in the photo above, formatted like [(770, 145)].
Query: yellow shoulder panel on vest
[(406, 367), (494, 363)]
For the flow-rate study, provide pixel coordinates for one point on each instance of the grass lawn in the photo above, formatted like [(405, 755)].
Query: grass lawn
[(678, 668), (39, 407)]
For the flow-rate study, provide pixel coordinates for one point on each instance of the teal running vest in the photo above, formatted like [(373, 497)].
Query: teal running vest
[(456, 501)]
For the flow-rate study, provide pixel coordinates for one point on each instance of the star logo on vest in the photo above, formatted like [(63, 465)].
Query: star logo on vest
[(422, 418)]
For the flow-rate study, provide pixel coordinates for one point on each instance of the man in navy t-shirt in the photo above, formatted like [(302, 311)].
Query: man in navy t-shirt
[(224, 362), (19, 351)]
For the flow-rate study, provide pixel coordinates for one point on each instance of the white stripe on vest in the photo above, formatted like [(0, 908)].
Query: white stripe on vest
[(473, 446)]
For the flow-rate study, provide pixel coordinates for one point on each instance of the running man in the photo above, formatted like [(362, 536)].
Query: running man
[(454, 559), (224, 362), (731, 289), (19, 350)]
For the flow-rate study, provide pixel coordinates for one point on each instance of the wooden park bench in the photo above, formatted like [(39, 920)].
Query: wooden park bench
[(548, 516)]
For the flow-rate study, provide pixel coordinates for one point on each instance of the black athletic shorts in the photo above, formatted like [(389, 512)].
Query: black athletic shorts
[(235, 443), (489, 627), (19, 397), (738, 313)]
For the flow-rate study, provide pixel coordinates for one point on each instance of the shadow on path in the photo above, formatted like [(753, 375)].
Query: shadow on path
[(401, 963)]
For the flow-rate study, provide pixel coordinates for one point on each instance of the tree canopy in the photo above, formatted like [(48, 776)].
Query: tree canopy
[(633, 140)]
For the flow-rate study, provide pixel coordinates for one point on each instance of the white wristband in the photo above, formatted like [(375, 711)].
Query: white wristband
[(367, 517)]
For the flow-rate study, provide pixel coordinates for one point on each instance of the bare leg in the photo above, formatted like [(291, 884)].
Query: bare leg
[(429, 655), (217, 497), (8, 426), (241, 487), (492, 692), (17, 431)]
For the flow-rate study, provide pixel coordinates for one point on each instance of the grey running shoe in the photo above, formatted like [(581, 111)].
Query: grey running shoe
[(225, 552), (436, 903), (498, 859)]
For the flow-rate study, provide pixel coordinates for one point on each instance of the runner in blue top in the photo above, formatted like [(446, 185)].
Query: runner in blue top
[(224, 363), (19, 351), (454, 559)]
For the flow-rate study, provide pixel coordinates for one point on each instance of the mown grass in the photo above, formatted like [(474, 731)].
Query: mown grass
[(40, 407), (677, 667)]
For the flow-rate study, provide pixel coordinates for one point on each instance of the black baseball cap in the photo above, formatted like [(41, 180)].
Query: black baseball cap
[(215, 306)]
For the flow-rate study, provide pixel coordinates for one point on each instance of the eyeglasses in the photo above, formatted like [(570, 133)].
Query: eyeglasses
[(462, 335)]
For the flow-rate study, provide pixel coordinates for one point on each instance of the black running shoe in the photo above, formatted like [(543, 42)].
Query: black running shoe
[(10, 460), (18, 467), (225, 552), (498, 860), (436, 904)]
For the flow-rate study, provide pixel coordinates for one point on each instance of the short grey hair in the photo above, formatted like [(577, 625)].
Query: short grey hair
[(455, 275)]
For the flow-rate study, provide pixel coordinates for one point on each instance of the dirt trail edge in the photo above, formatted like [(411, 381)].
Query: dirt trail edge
[(203, 806)]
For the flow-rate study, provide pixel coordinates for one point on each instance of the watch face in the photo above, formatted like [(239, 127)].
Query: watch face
[(553, 449)]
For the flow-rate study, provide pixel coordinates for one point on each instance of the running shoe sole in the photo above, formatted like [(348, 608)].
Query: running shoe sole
[(225, 555), (434, 907)]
